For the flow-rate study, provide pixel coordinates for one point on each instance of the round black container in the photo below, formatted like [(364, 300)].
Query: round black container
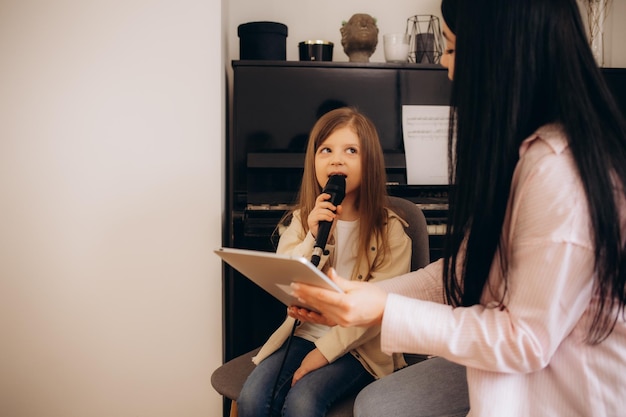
[(316, 50), (262, 41)]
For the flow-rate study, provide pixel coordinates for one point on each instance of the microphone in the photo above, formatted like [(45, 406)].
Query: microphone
[(336, 187)]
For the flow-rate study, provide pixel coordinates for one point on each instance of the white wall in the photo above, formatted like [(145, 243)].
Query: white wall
[(615, 47), (111, 148)]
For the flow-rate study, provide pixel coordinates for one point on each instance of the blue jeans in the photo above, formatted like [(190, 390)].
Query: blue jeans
[(432, 388), (312, 396)]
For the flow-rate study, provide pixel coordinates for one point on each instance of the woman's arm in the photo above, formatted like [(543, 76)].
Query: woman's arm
[(550, 275), (550, 282), (424, 284)]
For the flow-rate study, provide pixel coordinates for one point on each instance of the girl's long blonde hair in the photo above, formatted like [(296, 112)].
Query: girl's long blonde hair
[(372, 198)]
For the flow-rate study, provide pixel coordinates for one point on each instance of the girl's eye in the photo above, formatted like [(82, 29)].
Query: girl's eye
[(324, 150), (351, 150), (449, 51)]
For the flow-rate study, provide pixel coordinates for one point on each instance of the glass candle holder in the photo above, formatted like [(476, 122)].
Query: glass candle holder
[(396, 47)]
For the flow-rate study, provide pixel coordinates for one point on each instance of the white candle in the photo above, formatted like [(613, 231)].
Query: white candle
[(396, 47)]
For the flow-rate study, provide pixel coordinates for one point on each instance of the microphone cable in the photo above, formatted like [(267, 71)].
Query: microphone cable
[(336, 187), (282, 364)]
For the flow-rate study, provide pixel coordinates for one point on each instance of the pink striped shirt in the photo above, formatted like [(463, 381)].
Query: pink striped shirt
[(528, 357)]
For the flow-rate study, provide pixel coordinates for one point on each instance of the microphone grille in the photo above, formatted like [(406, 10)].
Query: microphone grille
[(336, 187)]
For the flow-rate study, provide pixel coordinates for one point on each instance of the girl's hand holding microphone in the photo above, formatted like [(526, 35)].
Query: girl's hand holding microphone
[(324, 210)]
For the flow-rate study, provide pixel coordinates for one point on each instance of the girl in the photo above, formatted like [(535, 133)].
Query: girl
[(367, 243), (530, 295)]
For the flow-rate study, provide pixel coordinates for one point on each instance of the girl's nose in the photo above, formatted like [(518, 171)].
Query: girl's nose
[(337, 160)]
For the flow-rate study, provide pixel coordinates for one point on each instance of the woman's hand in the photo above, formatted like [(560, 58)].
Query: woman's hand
[(324, 210), (303, 314), (312, 361), (361, 304)]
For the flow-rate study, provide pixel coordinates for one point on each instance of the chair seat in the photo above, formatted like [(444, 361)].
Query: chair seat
[(229, 378)]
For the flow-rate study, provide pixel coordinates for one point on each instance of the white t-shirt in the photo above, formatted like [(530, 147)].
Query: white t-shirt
[(346, 248)]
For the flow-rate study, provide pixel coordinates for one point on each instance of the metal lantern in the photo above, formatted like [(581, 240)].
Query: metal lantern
[(426, 42)]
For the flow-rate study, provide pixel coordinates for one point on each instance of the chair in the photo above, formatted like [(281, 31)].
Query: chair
[(228, 379)]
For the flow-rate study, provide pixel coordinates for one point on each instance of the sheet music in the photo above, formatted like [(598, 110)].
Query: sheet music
[(425, 134)]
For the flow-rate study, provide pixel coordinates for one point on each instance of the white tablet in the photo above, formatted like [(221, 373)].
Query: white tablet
[(274, 273)]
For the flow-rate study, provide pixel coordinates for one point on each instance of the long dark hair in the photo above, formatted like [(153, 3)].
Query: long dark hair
[(520, 65)]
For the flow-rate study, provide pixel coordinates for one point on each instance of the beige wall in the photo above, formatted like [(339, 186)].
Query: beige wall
[(111, 161), (615, 47)]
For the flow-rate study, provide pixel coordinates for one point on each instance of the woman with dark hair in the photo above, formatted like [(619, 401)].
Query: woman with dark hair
[(530, 295)]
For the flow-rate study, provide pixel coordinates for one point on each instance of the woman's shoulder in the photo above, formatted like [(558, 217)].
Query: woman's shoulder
[(548, 139), (546, 175), (545, 152)]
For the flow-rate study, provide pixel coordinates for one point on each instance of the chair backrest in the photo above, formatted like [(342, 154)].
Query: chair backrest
[(416, 230)]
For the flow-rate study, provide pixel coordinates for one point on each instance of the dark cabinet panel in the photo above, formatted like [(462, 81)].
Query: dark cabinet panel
[(275, 105)]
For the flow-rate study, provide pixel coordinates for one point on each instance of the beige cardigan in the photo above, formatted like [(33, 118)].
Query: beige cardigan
[(363, 343)]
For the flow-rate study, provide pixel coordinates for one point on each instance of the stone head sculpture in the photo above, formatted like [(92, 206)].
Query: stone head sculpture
[(359, 37)]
